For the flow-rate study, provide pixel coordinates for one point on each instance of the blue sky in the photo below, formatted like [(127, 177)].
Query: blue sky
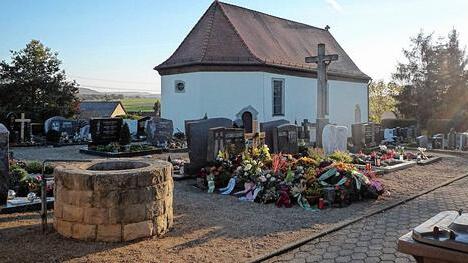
[(114, 44)]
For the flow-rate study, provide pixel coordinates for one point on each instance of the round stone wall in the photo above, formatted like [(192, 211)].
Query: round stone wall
[(114, 200)]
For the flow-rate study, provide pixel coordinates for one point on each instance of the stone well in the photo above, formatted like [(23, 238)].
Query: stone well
[(113, 200)]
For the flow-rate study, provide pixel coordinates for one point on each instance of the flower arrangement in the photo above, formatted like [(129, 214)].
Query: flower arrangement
[(286, 179)]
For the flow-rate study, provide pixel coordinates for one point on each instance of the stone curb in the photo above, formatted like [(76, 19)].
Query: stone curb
[(346, 223), (448, 152)]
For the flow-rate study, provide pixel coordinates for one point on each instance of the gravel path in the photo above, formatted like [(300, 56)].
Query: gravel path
[(211, 227)]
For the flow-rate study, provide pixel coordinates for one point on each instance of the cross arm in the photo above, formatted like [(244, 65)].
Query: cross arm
[(317, 59)]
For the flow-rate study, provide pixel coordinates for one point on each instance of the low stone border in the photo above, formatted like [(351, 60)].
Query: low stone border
[(432, 159), (120, 154), (26, 207), (388, 169), (449, 152), (181, 150), (348, 222)]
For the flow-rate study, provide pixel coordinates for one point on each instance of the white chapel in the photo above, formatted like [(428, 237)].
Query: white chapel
[(237, 61)]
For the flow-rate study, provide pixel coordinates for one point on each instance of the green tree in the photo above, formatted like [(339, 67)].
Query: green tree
[(382, 99), (32, 82), (417, 75), (453, 77)]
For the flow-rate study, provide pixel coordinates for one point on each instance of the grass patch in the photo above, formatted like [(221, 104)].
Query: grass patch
[(139, 104)]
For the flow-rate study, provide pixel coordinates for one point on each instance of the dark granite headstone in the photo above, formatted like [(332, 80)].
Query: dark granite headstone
[(4, 164), (159, 131), (285, 139), (105, 130), (187, 131), (268, 128), (438, 141), (197, 132), (62, 124), (231, 140), (357, 133), (423, 141)]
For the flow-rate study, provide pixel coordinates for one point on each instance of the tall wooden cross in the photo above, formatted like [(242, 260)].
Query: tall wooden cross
[(22, 121), (322, 61)]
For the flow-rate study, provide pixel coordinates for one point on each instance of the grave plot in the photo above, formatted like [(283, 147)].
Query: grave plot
[(160, 133), (111, 138), (20, 181), (314, 181), (384, 160)]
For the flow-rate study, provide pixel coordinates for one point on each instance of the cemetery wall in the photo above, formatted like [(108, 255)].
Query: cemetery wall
[(224, 94)]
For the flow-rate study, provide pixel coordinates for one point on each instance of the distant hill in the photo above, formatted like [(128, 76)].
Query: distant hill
[(86, 93)]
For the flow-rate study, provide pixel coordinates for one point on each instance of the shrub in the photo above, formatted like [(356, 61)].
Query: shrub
[(125, 136), (34, 167), (16, 175), (339, 156), (317, 154)]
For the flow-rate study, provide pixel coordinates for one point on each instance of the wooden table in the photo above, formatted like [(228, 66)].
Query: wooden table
[(427, 253)]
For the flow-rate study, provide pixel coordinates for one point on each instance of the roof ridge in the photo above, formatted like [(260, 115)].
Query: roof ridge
[(207, 38), (237, 32), (266, 14)]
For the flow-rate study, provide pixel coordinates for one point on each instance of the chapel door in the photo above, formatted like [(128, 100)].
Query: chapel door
[(247, 121)]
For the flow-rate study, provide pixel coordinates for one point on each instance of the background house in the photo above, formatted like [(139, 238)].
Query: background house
[(103, 109)]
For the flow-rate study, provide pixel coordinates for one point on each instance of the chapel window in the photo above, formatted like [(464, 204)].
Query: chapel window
[(179, 86), (278, 97)]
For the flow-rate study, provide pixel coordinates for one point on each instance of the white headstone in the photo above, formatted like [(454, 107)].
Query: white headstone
[(389, 135), (334, 138)]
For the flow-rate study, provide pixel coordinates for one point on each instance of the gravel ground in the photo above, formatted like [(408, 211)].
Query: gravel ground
[(211, 227)]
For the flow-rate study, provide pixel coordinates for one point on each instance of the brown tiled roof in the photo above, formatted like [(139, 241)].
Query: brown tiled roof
[(232, 35)]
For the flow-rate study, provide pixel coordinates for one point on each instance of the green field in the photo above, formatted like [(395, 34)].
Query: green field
[(139, 104)]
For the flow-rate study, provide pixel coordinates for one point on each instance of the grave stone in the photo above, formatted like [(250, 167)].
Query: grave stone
[(132, 126), (285, 139), (186, 127), (452, 139), (438, 141), (24, 127), (231, 140), (369, 135), (142, 126), (334, 138), (463, 141), (4, 164), (307, 128), (10, 125), (62, 125), (159, 131), (48, 125), (105, 130), (378, 133), (357, 134), (84, 133), (423, 141), (198, 139), (268, 128), (389, 135)]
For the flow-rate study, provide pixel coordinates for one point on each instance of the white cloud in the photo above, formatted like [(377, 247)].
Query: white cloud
[(335, 5)]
